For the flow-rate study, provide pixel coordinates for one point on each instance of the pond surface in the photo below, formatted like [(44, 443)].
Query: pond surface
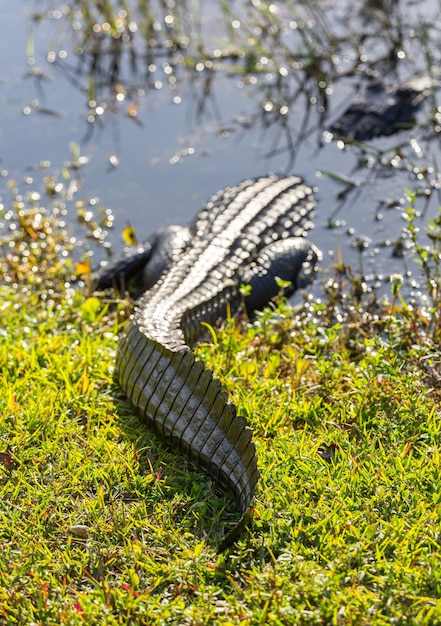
[(160, 138)]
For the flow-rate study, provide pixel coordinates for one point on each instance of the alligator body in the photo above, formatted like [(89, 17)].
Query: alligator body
[(246, 234)]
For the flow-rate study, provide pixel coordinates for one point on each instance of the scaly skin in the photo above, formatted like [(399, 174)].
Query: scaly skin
[(243, 234)]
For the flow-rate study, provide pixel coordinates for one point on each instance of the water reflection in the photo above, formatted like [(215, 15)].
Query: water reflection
[(290, 57), (251, 86)]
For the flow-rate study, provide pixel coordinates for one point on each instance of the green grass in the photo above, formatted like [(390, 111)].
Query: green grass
[(101, 524)]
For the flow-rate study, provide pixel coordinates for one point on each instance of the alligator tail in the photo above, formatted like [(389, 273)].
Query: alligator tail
[(185, 405)]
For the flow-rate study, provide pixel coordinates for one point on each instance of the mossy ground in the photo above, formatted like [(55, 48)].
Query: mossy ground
[(101, 524)]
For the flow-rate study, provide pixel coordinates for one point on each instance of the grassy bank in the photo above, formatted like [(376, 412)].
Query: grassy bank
[(100, 523)]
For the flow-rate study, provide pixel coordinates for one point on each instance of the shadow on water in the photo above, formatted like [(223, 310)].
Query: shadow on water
[(251, 87)]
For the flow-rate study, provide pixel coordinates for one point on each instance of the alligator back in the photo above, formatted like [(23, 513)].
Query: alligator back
[(175, 395)]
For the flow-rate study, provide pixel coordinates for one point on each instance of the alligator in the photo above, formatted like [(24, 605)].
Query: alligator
[(383, 110), (246, 234)]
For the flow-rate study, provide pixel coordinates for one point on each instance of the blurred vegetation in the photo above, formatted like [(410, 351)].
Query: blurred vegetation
[(290, 56), (42, 245)]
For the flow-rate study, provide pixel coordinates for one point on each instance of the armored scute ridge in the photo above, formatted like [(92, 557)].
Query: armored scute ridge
[(247, 234)]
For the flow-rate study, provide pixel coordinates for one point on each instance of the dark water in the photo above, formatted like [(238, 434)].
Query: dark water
[(202, 132)]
